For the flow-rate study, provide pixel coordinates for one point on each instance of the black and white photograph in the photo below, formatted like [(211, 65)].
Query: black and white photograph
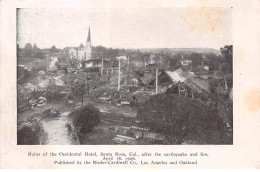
[(124, 76)]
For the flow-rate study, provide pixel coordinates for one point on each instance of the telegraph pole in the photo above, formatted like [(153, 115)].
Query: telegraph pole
[(68, 78), (83, 85), (127, 69), (118, 86), (156, 81), (102, 66), (127, 63)]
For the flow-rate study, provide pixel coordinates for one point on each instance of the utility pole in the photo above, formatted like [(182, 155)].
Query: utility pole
[(83, 85), (68, 78), (225, 81), (107, 74), (46, 65), (145, 63), (118, 87), (127, 63), (102, 66), (156, 81), (127, 70)]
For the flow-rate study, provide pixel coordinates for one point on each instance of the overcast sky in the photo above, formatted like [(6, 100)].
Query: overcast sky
[(126, 27)]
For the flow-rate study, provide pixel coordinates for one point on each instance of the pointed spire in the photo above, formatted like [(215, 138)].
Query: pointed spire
[(89, 37)]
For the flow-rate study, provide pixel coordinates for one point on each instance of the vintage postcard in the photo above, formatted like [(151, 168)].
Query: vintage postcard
[(130, 84)]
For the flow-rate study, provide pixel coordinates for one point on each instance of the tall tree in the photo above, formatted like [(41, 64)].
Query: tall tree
[(54, 49), (28, 46), (196, 59), (28, 49), (227, 52), (35, 50)]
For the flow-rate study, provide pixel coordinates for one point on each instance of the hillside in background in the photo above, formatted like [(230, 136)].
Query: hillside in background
[(180, 50)]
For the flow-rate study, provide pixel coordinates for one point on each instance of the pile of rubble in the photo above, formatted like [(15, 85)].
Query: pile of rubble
[(23, 73), (43, 87), (126, 95)]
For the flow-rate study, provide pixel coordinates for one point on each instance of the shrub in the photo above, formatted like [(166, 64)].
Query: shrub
[(85, 118), (179, 118), (26, 136)]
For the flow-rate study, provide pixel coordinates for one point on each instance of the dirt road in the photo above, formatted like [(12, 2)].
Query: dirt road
[(55, 131)]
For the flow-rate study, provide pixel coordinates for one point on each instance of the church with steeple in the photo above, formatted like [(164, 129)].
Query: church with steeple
[(88, 46), (81, 53)]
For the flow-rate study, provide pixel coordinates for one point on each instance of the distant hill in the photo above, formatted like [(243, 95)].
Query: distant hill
[(180, 50)]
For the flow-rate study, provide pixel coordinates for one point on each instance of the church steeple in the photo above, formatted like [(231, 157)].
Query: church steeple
[(89, 37), (88, 46)]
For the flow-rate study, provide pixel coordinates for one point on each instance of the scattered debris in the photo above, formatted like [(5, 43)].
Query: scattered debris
[(41, 101), (174, 113), (68, 125), (50, 113), (120, 139)]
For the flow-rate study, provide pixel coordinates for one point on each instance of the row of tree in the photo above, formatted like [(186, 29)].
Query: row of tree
[(34, 51), (108, 53), (166, 59)]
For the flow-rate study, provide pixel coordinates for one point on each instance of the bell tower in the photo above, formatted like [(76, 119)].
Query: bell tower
[(88, 46)]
